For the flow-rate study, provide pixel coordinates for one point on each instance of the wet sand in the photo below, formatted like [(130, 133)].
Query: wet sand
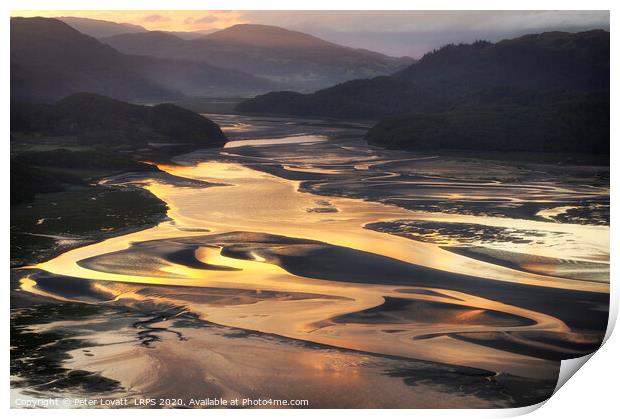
[(282, 247), (234, 363)]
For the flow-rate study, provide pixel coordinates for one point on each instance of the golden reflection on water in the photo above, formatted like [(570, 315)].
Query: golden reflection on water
[(255, 201), (300, 139)]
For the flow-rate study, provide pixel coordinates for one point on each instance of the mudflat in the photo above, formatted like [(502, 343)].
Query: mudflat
[(361, 277)]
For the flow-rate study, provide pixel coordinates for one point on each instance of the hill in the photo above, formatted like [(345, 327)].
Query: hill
[(86, 136), (102, 121), (294, 59), (100, 28), (50, 60), (104, 28), (547, 92), (358, 99), (549, 61), (565, 123)]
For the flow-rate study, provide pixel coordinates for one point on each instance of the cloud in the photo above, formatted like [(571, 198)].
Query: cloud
[(207, 19), (200, 21), (155, 18)]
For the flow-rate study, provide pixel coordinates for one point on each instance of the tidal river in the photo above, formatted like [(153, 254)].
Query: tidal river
[(359, 267)]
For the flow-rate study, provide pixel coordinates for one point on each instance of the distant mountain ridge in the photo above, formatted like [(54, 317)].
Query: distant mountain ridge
[(270, 36), (291, 58), (100, 28), (553, 60), (546, 92), (50, 60)]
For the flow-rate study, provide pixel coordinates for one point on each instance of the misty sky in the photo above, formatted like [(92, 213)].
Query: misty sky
[(398, 33)]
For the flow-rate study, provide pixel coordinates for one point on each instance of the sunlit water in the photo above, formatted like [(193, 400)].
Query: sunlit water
[(249, 200)]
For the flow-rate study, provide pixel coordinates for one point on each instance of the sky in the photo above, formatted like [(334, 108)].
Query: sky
[(397, 33)]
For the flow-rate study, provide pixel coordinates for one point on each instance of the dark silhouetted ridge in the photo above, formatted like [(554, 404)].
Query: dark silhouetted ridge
[(545, 92), (289, 58), (50, 60)]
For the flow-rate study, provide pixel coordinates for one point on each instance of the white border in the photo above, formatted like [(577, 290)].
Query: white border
[(592, 394)]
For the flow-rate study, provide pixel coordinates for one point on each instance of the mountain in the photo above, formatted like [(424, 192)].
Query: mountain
[(551, 122), (50, 60), (100, 28), (190, 34), (547, 92), (265, 36), (113, 137), (104, 28), (361, 99), (549, 61), (101, 121), (294, 59)]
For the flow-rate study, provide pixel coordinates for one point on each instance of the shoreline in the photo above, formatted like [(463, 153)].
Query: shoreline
[(94, 237), (153, 297)]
